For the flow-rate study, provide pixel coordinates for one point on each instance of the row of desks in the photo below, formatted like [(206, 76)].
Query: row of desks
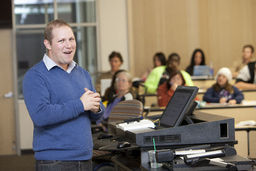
[(151, 99), (203, 85)]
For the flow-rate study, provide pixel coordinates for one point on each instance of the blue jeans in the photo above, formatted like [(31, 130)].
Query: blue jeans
[(56, 165)]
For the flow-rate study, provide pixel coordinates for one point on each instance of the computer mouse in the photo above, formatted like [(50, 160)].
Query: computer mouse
[(123, 144)]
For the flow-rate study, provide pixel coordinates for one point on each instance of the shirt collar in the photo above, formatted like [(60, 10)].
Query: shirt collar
[(49, 63)]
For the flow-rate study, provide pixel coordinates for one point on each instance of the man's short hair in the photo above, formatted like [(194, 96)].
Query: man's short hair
[(249, 46), (171, 56), (50, 26), (115, 54)]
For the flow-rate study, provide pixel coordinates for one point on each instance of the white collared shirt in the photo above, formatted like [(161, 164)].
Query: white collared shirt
[(49, 63)]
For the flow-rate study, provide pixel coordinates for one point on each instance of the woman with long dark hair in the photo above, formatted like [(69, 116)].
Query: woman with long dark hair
[(196, 59), (158, 60)]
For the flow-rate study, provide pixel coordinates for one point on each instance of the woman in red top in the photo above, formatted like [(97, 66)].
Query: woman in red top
[(166, 90)]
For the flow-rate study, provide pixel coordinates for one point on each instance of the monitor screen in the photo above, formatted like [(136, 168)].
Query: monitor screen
[(178, 106)]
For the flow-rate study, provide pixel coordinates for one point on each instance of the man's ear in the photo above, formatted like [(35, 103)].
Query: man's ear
[(47, 44)]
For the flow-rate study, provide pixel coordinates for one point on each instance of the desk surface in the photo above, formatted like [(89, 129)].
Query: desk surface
[(208, 106), (249, 95), (203, 90), (245, 128), (226, 105)]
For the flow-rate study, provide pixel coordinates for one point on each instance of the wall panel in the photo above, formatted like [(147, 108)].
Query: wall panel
[(220, 28), (112, 19)]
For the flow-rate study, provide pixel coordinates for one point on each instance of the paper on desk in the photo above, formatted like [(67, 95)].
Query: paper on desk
[(248, 102), (248, 122), (145, 123)]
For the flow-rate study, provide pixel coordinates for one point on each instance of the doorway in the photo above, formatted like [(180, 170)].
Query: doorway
[(7, 104)]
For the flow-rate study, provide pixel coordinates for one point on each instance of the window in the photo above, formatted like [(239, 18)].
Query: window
[(31, 17)]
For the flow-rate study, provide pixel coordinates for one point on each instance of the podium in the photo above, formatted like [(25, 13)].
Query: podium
[(207, 130)]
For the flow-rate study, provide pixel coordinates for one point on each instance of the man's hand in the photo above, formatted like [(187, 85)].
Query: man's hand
[(91, 101)]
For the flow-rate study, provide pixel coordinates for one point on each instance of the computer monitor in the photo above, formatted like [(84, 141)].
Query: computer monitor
[(179, 106), (201, 70)]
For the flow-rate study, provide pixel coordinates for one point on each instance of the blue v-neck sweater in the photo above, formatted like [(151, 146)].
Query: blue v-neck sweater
[(62, 129)]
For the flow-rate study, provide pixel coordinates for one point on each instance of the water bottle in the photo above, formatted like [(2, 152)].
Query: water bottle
[(211, 69)]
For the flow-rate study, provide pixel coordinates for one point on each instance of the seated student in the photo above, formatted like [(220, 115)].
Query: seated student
[(158, 60), (123, 86), (222, 91), (246, 77), (247, 57), (111, 91), (160, 74), (166, 90), (196, 59), (115, 60)]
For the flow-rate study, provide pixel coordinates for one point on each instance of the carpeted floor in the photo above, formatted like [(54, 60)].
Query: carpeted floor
[(24, 162)]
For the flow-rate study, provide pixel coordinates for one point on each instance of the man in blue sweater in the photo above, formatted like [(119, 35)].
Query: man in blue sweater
[(61, 101)]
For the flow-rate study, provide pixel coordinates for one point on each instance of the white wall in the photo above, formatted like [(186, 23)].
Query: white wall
[(113, 31), (26, 127)]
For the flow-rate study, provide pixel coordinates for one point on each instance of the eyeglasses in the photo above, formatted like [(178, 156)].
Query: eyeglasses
[(121, 80)]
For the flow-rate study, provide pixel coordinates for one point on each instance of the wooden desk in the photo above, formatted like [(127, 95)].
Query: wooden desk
[(206, 83), (152, 98), (238, 111), (248, 129), (248, 94), (203, 85)]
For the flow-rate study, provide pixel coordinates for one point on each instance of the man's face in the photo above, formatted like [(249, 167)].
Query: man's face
[(198, 58), (157, 61), (222, 80), (176, 79), (122, 83), (63, 46), (115, 63), (247, 53), (174, 62)]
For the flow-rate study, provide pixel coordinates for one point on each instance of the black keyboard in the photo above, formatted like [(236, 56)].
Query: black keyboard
[(103, 142)]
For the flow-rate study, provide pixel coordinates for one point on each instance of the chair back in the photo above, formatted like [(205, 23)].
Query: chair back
[(140, 89), (126, 110)]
